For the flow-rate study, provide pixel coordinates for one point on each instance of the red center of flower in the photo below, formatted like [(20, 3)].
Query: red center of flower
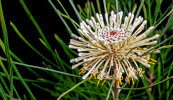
[(111, 36), (113, 33)]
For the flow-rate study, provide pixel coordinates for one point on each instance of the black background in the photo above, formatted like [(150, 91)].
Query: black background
[(50, 24), (47, 19)]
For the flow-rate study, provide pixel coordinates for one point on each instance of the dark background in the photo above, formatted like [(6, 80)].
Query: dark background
[(47, 19), (50, 24)]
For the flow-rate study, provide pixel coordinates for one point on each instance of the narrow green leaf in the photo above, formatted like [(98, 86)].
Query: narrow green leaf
[(116, 5), (5, 35), (7, 50), (137, 95), (98, 6), (105, 8), (168, 83), (157, 9), (46, 89), (145, 13), (108, 7), (164, 13), (48, 48), (16, 78), (54, 75), (22, 81), (38, 29), (17, 58), (134, 8), (4, 83), (24, 97), (65, 47), (128, 95), (11, 82), (34, 49), (8, 76), (2, 92), (59, 58), (4, 69), (139, 9), (150, 18), (147, 90), (164, 18), (164, 47), (93, 9), (146, 87), (124, 7), (89, 9), (74, 8), (158, 45), (71, 89), (41, 68), (69, 18), (129, 5), (67, 15), (43, 43), (159, 78), (11, 98), (110, 89), (82, 11)]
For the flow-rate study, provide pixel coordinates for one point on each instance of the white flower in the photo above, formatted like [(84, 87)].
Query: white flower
[(109, 48)]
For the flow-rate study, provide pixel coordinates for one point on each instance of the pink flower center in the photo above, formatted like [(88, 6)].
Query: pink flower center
[(113, 36)]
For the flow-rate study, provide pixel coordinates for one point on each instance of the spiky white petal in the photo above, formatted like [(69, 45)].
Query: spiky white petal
[(111, 47)]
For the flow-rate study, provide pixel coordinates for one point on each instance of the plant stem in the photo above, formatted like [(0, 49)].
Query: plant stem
[(116, 91), (116, 86), (150, 82)]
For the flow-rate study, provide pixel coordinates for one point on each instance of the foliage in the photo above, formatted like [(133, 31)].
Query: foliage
[(66, 81)]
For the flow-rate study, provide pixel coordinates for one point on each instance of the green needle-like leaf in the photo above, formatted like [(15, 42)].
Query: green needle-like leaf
[(17, 58), (41, 68), (128, 95), (34, 49), (110, 89), (141, 88), (71, 89), (68, 16), (139, 9), (98, 6), (2, 92), (74, 8), (38, 28), (105, 8)]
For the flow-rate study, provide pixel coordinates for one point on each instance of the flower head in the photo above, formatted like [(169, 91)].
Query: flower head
[(112, 48)]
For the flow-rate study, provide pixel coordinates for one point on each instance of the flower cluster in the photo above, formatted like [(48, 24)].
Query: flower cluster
[(111, 49)]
